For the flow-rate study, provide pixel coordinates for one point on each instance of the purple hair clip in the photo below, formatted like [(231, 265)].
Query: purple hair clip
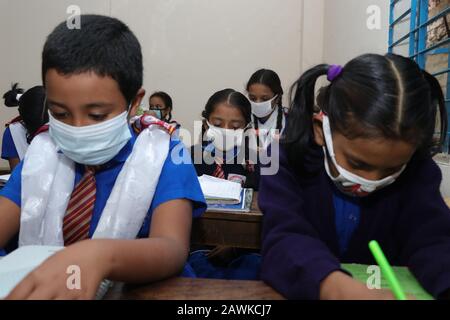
[(334, 71)]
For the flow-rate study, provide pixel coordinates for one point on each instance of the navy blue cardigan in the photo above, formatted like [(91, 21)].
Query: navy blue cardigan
[(300, 248)]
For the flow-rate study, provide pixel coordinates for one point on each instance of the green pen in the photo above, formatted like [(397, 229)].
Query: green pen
[(387, 270)]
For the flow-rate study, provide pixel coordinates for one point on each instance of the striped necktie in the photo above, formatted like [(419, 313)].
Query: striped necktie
[(78, 216), (218, 171)]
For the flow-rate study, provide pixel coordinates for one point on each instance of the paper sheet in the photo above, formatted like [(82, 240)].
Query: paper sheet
[(408, 282)]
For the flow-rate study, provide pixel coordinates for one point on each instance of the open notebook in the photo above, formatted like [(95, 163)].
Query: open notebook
[(15, 267), (4, 179), (408, 282), (220, 190)]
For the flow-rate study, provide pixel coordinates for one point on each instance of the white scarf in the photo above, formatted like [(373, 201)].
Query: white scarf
[(48, 181), (19, 136)]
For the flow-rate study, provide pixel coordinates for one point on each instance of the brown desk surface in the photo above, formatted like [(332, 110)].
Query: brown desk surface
[(241, 230), (195, 289)]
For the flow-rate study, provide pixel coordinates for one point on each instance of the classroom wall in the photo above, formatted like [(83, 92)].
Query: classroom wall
[(191, 48), (345, 38), (194, 48), (24, 26), (345, 30)]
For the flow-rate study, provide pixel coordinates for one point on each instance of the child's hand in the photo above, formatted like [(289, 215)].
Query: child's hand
[(340, 286), (57, 277)]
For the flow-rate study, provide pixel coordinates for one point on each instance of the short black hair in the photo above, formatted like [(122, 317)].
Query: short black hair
[(103, 45)]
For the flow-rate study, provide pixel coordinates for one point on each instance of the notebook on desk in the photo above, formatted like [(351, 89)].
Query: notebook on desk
[(16, 266), (244, 205), (408, 282), (220, 191)]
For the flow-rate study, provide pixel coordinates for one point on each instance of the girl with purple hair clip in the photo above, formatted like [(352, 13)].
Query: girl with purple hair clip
[(356, 165)]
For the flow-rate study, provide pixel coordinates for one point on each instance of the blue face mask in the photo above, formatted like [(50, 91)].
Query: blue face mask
[(91, 145), (158, 114)]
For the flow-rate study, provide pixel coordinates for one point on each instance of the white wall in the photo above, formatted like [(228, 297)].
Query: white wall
[(346, 34), (24, 25), (194, 48), (191, 48)]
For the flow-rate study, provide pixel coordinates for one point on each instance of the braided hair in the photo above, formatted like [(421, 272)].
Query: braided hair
[(270, 79)]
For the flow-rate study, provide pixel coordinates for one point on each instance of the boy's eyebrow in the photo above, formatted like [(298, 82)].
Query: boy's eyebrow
[(59, 104), (91, 105)]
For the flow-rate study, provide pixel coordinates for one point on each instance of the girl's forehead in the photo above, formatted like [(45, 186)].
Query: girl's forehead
[(378, 152), (156, 100), (227, 111), (260, 89)]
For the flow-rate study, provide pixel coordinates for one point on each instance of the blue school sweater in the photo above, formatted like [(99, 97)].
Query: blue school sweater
[(300, 245)]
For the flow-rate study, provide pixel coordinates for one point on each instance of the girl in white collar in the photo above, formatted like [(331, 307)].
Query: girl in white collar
[(266, 95)]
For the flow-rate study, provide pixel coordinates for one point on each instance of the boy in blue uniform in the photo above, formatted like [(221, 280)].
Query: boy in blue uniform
[(91, 75)]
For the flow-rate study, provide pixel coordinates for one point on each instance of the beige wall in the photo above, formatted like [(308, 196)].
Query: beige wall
[(346, 34), (194, 48), (191, 48), (24, 26)]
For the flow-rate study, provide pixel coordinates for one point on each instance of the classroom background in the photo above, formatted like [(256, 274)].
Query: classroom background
[(192, 48)]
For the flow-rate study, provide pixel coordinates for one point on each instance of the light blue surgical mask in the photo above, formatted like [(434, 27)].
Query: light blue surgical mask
[(158, 114), (94, 144)]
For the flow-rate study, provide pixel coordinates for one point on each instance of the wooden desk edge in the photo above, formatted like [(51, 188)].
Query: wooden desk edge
[(179, 288)]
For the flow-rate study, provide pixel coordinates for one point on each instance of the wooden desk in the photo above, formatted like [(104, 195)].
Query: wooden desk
[(241, 230), (195, 289)]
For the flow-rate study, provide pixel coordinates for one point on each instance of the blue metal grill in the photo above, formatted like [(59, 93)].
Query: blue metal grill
[(417, 12)]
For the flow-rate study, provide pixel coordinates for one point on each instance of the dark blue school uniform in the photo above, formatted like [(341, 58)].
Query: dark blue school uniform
[(9, 150), (308, 231), (177, 181)]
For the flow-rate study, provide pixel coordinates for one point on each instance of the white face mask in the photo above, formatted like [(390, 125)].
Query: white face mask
[(347, 182), (224, 139), (262, 109), (94, 144)]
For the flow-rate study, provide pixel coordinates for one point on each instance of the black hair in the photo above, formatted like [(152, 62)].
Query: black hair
[(233, 98), (270, 79), (10, 97), (103, 45), (31, 107), (375, 96), (167, 101)]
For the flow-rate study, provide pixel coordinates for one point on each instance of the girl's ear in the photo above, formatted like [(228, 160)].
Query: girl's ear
[(136, 102), (205, 125), (318, 130)]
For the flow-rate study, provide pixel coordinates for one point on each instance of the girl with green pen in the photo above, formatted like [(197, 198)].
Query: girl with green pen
[(357, 166)]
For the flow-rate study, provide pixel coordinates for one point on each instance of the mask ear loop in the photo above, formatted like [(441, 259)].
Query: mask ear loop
[(44, 108)]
